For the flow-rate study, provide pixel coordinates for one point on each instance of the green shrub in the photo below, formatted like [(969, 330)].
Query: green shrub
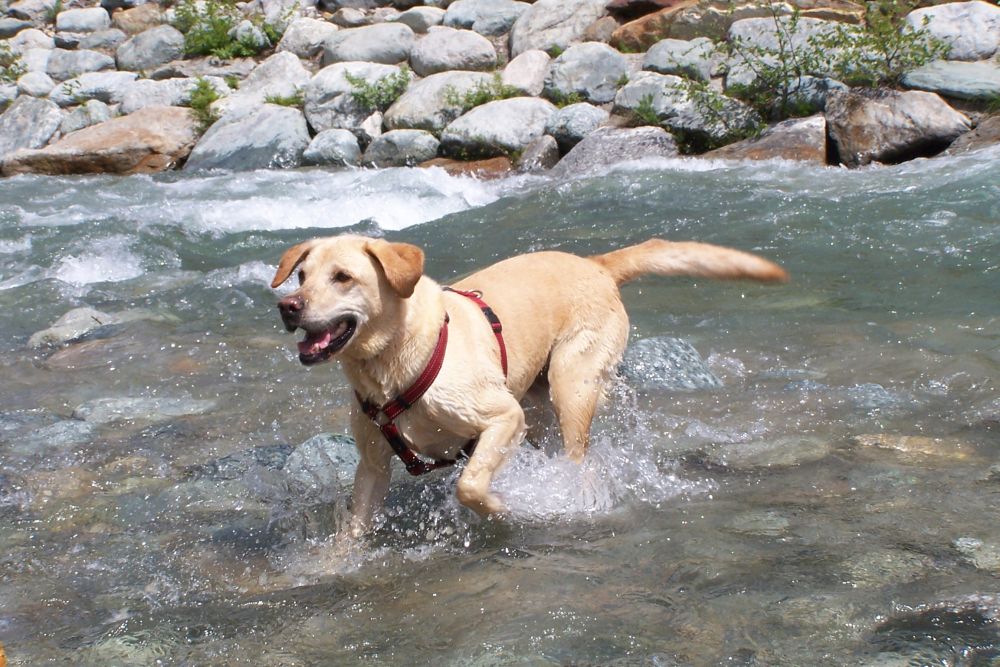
[(296, 99), (483, 92), (200, 102), (380, 94), (645, 111), (206, 27), (11, 67)]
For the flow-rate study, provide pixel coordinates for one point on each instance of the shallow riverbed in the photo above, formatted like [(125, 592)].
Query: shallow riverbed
[(164, 499)]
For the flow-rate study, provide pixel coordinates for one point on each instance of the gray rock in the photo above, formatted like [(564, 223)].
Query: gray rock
[(280, 75), (238, 464), (168, 92), (445, 49), (109, 410), (32, 10), (8, 93), (527, 72), (549, 24), (762, 523), (487, 17), (28, 123), (591, 70), (68, 40), (982, 555), (890, 126), (420, 19), (401, 148), (89, 113), (691, 59), (370, 128), (240, 68), (959, 80), (11, 26), (305, 37), (971, 29), (349, 17), (431, 103), (63, 64), (148, 49), (269, 137), (986, 134), (246, 32), (607, 146), (387, 43), (665, 363), (333, 148), (31, 38), (56, 438), (540, 155), (36, 84), (496, 128), (91, 19), (36, 60), (569, 125), (282, 13), (782, 452), (105, 39), (801, 139), (329, 95), (668, 99), (809, 93), (108, 87), (764, 33), (323, 465)]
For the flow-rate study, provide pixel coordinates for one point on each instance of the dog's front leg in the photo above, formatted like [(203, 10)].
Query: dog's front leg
[(371, 479), (499, 439)]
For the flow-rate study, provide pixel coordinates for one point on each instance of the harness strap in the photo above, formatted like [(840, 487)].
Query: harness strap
[(384, 416)]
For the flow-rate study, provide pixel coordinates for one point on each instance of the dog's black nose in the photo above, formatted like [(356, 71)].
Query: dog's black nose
[(291, 308)]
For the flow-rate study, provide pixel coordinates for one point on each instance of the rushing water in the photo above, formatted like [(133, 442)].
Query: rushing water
[(833, 503)]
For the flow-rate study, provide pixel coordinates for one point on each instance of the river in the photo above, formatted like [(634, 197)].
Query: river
[(834, 502)]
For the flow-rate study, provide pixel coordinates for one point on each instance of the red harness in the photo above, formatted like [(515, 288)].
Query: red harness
[(384, 416)]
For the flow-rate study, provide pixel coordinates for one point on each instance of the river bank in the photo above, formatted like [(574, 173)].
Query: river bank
[(485, 87)]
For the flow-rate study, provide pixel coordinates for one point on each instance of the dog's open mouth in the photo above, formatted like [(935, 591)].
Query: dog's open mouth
[(321, 345)]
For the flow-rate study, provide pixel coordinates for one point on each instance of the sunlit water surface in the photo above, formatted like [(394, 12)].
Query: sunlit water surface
[(833, 503)]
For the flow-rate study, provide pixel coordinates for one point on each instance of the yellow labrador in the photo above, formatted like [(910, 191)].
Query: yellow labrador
[(367, 302)]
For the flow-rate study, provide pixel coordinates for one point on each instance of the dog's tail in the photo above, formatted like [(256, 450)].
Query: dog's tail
[(688, 258)]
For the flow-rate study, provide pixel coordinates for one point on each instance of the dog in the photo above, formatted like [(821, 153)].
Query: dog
[(545, 318)]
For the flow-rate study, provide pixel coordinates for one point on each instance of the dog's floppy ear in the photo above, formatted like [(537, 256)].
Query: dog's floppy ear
[(292, 258), (402, 263)]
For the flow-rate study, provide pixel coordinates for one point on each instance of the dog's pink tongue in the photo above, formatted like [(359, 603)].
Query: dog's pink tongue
[(315, 342)]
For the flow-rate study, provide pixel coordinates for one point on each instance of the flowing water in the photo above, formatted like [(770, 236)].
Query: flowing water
[(163, 499)]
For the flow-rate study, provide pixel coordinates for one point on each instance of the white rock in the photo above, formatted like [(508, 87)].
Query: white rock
[(387, 43), (305, 37), (497, 128), (36, 84), (527, 72), (445, 49), (971, 29), (551, 24), (333, 148), (91, 19)]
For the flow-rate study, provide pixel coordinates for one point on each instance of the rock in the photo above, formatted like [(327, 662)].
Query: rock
[(569, 125), (982, 555), (601, 30), (71, 326), (9, 27), (246, 32), (32, 10), (970, 29), (333, 148), (916, 446), (401, 148), (68, 40), (36, 60), (148, 49), (305, 37), (89, 113), (883, 567), (349, 17), (8, 93), (240, 68), (553, 24), (63, 64), (527, 72), (322, 466), (112, 5), (667, 98), (445, 49), (168, 92), (431, 103), (761, 523), (329, 95), (639, 35), (280, 75), (30, 39), (782, 452), (808, 94), (108, 87), (889, 126), (665, 363), (370, 128), (955, 79), (496, 167), (28, 123), (152, 139), (282, 13), (607, 146), (110, 410), (802, 139), (691, 59), (387, 43), (496, 128), (104, 39), (540, 155), (35, 84), (487, 17), (629, 10), (591, 71), (986, 134), (765, 33), (138, 19), (91, 19), (55, 439), (420, 19), (266, 138)]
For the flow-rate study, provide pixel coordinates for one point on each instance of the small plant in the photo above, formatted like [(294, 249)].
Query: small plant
[(380, 94), (483, 92), (11, 67), (296, 99), (232, 81), (555, 50), (52, 12), (203, 95), (207, 27), (645, 111), (565, 99)]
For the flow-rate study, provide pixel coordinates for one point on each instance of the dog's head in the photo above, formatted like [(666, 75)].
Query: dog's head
[(346, 284)]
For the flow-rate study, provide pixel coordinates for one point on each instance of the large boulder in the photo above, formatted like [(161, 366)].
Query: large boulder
[(386, 43), (692, 59), (889, 126), (91, 19), (28, 123), (152, 139), (330, 100), (800, 139), (487, 17), (970, 29), (280, 75), (445, 49), (986, 134), (430, 104), (591, 71), (108, 87), (305, 36), (268, 137), (554, 24), (956, 79), (333, 148), (168, 92), (638, 35), (527, 72), (497, 128), (608, 145), (401, 148), (569, 125), (63, 64), (148, 49)]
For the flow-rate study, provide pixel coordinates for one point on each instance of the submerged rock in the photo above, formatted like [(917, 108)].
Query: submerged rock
[(235, 466), (71, 326), (982, 555), (270, 137), (667, 363), (607, 146), (109, 410), (497, 128), (323, 465), (781, 452)]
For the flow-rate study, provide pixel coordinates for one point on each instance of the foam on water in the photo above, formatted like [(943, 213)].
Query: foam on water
[(109, 259)]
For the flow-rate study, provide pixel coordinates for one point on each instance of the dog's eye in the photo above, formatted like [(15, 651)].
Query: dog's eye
[(341, 277), (302, 277)]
